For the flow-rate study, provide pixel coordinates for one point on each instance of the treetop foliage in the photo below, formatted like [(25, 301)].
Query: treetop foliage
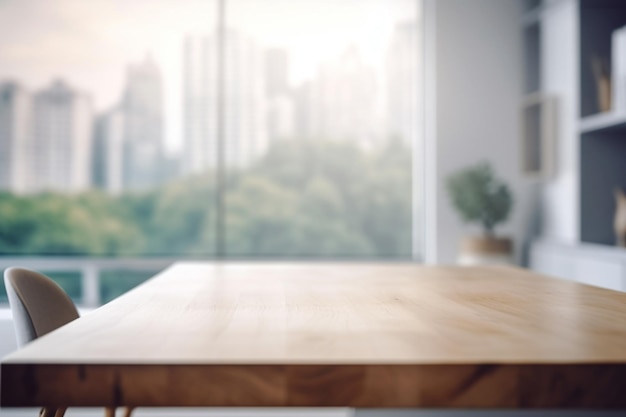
[(303, 199)]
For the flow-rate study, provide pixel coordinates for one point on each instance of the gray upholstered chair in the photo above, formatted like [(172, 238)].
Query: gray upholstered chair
[(39, 305)]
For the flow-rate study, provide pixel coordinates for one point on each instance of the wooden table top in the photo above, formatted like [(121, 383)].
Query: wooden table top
[(334, 334)]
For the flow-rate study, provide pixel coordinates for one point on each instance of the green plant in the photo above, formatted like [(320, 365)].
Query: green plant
[(480, 197)]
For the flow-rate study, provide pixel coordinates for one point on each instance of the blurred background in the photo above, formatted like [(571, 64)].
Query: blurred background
[(137, 133), (186, 129)]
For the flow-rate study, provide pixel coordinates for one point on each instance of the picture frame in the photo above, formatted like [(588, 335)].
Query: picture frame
[(538, 136)]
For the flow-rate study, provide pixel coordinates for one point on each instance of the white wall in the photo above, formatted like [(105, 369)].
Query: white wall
[(478, 88), (559, 73)]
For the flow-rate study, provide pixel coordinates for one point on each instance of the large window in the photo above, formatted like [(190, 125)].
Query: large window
[(210, 128)]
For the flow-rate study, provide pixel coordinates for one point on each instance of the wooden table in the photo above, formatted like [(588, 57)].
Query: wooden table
[(334, 334)]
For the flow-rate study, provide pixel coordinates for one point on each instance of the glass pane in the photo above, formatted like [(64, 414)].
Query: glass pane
[(117, 282), (99, 106), (321, 121)]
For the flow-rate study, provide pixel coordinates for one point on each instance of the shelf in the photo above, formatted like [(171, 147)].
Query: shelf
[(603, 123)]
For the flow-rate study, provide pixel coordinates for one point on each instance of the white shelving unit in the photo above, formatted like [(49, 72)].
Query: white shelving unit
[(587, 263), (603, 123), (577, 204)]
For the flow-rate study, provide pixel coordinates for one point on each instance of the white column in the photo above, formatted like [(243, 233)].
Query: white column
[(91, 285)]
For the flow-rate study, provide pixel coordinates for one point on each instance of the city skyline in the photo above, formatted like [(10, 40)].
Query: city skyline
[(85, 42), (345, 100)]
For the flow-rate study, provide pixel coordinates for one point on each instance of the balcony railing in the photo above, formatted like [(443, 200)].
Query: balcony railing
[(90, 270)]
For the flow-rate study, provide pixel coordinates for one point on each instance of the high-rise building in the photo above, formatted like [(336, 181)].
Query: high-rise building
[(244, 134), (304, 109), (281, 105), (200, 103), (59, 154), (108, 156), (143, 126), (342, 101), (276, 72), (281, 117), (402, 76), (15, 104)]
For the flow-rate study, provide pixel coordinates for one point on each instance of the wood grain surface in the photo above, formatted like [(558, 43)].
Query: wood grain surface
[(334, 334)]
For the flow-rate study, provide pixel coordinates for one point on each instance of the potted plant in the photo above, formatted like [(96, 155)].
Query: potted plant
[(479, 197)]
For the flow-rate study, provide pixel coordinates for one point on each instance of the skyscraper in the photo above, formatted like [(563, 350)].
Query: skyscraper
[(304, 109), (277, 72), (281, 117), (402, 76), (143, 126), (244, 132), (15, 120), (281, 105), (342, 101), (200, 103), (108, 158), (59, 154)]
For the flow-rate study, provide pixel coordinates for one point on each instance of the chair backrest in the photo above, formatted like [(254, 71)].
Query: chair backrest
[(39, 305)]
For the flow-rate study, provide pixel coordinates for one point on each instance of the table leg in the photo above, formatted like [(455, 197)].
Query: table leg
[(47, 412)]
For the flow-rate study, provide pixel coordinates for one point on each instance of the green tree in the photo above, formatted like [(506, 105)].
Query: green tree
[(182, 211), (303, 198)]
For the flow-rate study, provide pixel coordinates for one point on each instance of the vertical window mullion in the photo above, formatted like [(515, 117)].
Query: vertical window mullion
[(220, 174)]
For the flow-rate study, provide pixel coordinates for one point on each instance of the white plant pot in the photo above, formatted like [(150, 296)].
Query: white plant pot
[(486, 251)]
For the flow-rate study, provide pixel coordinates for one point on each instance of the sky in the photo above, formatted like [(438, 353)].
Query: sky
[(91, 43)]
